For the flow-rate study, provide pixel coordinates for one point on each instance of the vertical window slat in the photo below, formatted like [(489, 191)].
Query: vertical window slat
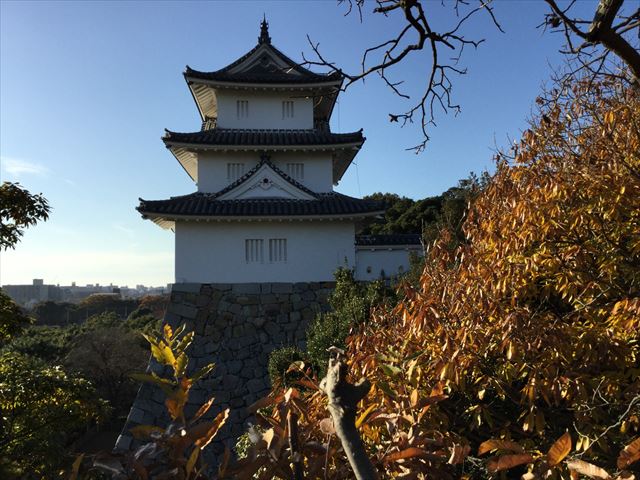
[(277, 250), (234, 171), (242, 108), (287, 109), (253, 250), (295, 170)]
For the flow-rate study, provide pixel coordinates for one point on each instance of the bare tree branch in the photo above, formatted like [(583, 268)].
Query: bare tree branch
[(602, 33), (416, 35), (343, 406), (589, 42)]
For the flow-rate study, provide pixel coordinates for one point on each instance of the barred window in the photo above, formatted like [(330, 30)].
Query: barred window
[(242, 108), (277, 250), (287, 109), (295, 170), (234, 171), (253, 250)]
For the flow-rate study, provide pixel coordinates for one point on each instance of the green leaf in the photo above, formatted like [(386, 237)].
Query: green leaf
[(165, 384), (390, 370), (203, 372), (184, 343), (181, 365)]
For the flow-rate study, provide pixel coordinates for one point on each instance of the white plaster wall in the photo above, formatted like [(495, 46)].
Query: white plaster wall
[(215, 252), (318, 168), (212, 168), (389, 260), (265, 110)]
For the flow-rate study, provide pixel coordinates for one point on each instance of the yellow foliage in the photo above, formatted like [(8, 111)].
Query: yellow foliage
[(531, 328)]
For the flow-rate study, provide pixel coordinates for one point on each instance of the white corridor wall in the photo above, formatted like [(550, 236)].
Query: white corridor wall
[(214, 252)]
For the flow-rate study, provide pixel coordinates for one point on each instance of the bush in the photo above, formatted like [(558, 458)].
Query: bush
[(520, 345), (351, 304), (279, 362), (43, 411)]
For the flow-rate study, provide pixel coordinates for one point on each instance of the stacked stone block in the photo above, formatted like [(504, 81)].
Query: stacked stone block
[(236, 327)]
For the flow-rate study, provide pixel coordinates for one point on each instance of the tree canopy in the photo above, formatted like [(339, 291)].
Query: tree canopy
[(19, 209), (523, 341)]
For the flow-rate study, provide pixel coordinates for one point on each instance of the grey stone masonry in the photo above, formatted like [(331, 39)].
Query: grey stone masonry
[(236, 327)]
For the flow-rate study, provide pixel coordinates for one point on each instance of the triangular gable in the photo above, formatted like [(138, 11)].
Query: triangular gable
[(265, 59), (266, 182)]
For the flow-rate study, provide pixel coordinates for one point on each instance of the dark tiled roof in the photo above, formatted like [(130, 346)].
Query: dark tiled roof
[(257, 76), (251, 173), (293, 73), (227, 136), (206, 205), (397, 239)]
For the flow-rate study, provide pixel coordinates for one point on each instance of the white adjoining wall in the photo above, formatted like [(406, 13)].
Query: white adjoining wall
[(264, 110), (212, 168), (215, 252), (393, 261)]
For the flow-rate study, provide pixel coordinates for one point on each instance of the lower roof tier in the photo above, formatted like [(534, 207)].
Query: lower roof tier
[(389, 239), (206, 206), (262, 138)]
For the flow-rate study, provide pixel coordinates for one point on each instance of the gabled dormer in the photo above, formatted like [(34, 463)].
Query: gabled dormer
[(264, 89), (263, 181)]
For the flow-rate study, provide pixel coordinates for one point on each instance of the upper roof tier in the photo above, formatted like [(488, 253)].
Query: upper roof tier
[(185, 146), (264, 67)]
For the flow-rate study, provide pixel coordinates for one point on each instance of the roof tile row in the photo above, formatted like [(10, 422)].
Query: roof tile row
[(394, 239), (206, 205), (224, 136)]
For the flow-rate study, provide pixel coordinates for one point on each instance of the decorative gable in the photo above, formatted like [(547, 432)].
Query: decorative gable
[(265, 60), (266, 181)]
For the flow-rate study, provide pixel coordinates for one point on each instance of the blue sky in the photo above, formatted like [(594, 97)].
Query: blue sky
[(86, 90)]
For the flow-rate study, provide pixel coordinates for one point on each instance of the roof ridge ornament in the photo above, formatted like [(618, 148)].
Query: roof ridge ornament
[(264, 31)]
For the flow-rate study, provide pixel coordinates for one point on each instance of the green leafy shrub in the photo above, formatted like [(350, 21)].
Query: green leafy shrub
[(43, 410), (279, 362), (12, 319), (351, 303)]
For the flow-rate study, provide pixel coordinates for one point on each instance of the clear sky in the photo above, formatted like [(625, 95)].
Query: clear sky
[(86, 89)]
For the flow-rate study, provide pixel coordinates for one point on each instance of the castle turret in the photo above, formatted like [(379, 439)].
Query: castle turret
[(265, 162)]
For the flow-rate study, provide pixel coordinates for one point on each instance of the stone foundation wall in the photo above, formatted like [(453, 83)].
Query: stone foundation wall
[(236, 327)]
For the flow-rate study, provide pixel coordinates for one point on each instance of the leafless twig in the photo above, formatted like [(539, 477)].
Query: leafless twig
[(416, 35)]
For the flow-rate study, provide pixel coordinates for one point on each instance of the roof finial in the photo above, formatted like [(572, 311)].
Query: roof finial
[(264, 31)]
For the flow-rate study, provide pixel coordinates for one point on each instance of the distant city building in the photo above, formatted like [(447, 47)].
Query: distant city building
[(29, 295)]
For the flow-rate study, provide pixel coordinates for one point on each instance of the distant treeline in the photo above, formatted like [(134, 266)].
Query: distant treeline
[(65, 313), (428, 215)]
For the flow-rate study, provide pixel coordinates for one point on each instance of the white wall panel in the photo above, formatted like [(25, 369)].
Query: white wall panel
[(216, 252), (264, 110), (371, 263)]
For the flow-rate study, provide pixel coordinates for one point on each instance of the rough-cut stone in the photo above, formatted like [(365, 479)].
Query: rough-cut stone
[(282, 288), (183, 309), (136, 414), (244, 288), (186, 287)]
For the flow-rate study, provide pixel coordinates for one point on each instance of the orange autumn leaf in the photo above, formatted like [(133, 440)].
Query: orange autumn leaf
[(499, 445), (629, 454), (559, 450)]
